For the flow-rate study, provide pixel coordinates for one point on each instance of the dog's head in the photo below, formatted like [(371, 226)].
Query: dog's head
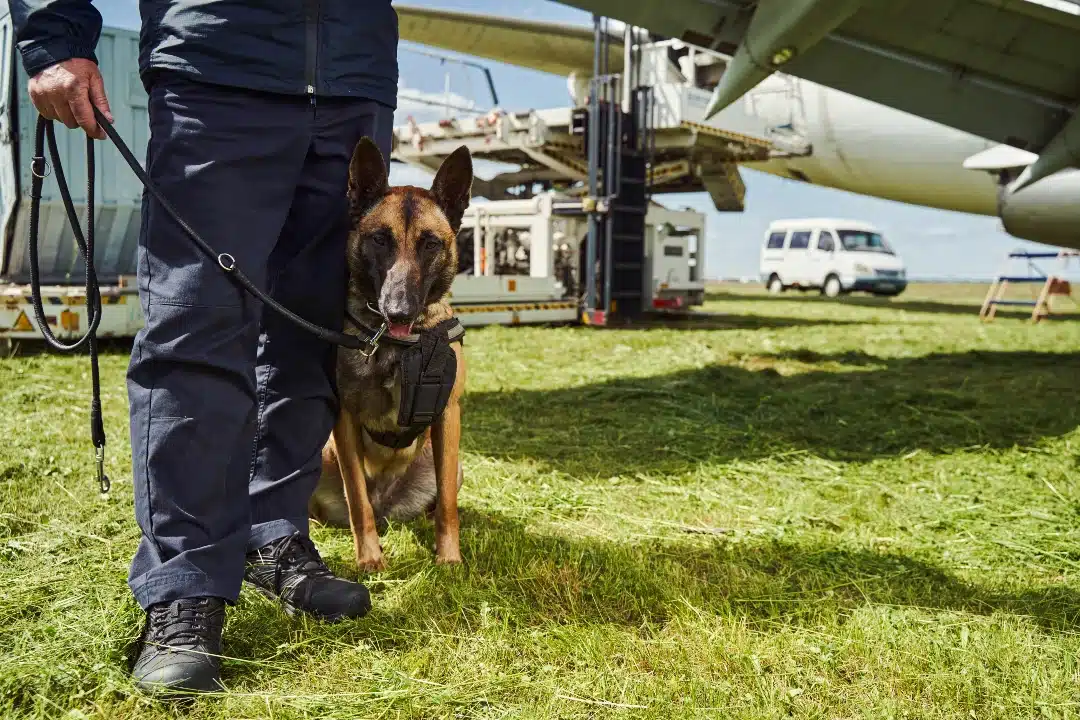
[(402, 250)]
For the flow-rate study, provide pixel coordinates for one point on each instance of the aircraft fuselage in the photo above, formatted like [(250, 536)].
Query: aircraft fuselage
[(871, 149)]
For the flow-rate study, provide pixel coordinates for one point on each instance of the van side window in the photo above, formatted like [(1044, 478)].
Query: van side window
[(776, 241), (825, 241), (799, 240)]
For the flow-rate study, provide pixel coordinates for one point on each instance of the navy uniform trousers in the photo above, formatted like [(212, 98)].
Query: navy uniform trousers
[(230, 404)]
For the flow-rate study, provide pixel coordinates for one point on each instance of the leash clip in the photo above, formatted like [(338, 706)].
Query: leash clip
[(373, 343), (104, 484)]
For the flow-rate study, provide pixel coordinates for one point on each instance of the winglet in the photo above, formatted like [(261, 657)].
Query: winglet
[(778, 32)]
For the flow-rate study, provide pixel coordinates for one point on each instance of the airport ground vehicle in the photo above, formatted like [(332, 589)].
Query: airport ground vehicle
[(526, 256), (833, 255)]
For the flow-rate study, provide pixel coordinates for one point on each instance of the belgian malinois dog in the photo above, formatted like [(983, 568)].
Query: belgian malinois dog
[(402, 259)]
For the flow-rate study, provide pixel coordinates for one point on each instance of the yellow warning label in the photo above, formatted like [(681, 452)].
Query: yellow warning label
[(69, 321), (22, 323)]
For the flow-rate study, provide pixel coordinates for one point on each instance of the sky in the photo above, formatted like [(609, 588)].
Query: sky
[(934, 244)]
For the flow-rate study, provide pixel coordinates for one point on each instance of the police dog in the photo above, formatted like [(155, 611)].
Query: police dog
[(402, 259)]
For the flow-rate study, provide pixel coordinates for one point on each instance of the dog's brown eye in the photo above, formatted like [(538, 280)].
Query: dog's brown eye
[(431, 242), (380, 239)]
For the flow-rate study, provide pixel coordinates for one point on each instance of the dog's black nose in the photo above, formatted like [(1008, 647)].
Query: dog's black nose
[(399, 318), (398, 307), (399, 299)]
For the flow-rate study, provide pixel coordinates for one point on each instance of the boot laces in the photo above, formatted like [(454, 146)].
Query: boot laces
[(183, 622), (297, 556)]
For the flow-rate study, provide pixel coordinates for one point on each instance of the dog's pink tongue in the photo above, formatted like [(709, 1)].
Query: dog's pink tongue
[(400, 330)]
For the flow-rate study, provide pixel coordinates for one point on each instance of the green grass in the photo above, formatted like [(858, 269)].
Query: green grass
[(796, 508)]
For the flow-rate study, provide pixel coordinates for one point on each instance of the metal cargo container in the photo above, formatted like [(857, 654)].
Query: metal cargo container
[(119, 194)]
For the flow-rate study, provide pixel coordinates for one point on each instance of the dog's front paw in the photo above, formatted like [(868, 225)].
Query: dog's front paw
[(447, 554), (454, 559), (369, 556), (371, 565)]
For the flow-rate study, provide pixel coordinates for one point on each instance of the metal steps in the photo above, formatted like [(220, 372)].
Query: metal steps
[(1053, 284)]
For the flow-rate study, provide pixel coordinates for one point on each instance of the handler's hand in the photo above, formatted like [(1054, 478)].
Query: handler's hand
[(68, 92)]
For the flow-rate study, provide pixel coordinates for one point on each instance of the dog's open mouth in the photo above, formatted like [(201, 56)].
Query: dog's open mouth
[(399, 330)]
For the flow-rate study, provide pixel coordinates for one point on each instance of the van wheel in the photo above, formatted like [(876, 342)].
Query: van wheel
[(776, 286), (832, 286)]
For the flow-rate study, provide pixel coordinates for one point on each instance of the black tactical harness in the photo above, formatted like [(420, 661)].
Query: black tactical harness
[(427, 371)]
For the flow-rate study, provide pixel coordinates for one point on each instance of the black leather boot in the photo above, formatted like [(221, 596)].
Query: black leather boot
[(291, 571), (181, 646)]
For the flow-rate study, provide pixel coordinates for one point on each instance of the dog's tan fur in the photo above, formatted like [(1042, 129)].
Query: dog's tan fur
[(402, 244)]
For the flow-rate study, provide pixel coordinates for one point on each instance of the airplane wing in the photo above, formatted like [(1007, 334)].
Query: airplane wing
[(549, 47), (1006, 70)]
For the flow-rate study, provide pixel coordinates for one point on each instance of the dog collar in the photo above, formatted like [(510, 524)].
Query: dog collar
[(374, 336)]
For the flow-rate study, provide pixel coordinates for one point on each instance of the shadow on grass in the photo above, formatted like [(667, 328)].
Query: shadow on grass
[(518, 579), (1067, 309), (859, 407)]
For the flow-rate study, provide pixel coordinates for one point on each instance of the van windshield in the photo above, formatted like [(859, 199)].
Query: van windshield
[(863, 241)]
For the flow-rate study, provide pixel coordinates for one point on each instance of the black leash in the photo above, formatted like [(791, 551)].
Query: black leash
[(39, 170), (367, 342)]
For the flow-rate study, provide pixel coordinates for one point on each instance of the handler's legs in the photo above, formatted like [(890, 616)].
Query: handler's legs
[(229, 161)]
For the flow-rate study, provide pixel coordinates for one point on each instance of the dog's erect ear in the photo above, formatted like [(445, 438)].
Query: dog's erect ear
[(367, 177), (452, 187)]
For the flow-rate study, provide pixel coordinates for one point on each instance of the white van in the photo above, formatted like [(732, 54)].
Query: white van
[(835, 256)]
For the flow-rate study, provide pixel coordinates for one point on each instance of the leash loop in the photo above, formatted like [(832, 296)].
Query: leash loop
[(42, 162)]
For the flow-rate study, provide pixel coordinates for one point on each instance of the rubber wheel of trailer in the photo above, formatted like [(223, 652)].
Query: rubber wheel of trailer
[(832, 287), (776, 285)]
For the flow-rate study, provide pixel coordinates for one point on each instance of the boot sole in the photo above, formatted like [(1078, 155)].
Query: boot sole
[(163, 690)]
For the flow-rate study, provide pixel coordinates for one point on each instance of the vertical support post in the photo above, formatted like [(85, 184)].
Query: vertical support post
[(611, 181), (594, 162), (489, 248), (541, 246), (627, 72), (446, 94), (478, 243)]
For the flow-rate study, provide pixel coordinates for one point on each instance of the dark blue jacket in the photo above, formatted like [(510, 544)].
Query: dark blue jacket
[(333, 48)]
